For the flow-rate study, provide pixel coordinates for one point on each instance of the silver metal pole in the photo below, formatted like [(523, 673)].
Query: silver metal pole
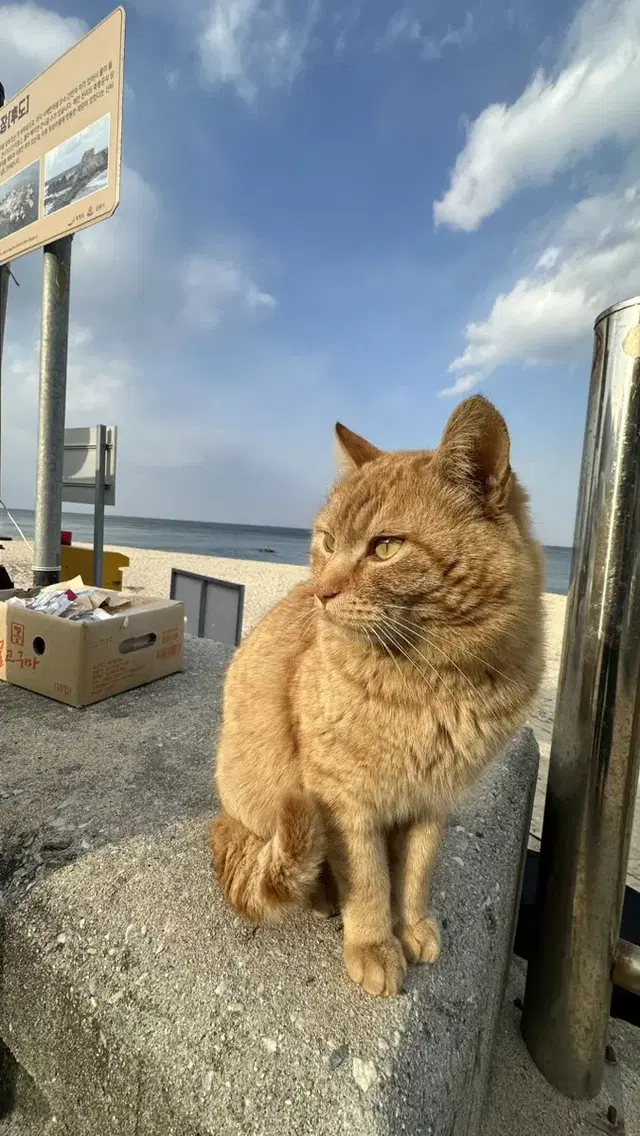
[(98, 507), (595, 750), (53, 390), (5, 276)]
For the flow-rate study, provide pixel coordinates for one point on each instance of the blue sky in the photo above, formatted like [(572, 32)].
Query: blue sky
[(329, 210)]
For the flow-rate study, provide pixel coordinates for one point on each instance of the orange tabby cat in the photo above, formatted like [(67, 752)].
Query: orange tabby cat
[(364, 704)]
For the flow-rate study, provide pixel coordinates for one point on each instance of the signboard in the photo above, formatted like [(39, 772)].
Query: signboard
[(81, 463), (61, 142), (213, 608)]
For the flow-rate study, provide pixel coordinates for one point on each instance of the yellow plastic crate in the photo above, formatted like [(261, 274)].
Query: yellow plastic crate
[(76, 561)]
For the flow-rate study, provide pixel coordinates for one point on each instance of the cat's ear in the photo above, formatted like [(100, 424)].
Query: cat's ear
[(352, 451), (474, 451)]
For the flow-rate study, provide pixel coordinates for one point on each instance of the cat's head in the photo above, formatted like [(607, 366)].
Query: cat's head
[(436, 538)]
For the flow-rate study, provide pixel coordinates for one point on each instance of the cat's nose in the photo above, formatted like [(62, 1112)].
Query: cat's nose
[(324, 594)]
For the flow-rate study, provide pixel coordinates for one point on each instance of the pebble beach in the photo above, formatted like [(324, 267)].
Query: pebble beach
[(149, 573)]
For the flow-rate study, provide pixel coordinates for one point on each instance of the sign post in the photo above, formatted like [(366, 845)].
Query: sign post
[(60, 160), (98, 508), (5, 274), (54, 339), (89, 478)]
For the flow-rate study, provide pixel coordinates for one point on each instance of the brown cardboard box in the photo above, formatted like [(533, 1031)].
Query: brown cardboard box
[(80, 662)]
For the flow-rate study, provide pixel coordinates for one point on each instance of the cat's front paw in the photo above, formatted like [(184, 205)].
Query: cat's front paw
[(421, 942), (378, 967)]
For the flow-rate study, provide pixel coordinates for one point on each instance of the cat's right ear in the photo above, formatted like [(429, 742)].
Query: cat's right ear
[(352, 451), (474, 451)]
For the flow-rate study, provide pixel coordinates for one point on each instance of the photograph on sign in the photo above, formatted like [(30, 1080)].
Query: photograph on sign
[(19, 198), (61, 144), (78, 167)]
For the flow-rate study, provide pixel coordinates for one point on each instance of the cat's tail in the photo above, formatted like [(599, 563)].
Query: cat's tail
[(259, 879)]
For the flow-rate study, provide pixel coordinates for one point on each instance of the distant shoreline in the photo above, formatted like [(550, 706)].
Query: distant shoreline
[(269, 544)]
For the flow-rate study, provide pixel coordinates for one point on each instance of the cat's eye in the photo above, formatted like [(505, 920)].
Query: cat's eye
[(388, 547), (328, 543)]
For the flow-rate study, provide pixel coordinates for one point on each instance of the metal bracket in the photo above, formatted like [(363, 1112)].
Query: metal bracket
[(612, 1122)]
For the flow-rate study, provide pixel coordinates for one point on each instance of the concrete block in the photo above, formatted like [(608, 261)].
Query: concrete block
[(141, 1006)]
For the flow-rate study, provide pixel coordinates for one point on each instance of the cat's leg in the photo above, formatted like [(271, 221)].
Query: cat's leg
[(373, 955), (414, 853)]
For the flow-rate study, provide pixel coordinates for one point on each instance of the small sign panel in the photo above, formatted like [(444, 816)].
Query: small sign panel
[(213, 608), (79, 465), (61, 143)]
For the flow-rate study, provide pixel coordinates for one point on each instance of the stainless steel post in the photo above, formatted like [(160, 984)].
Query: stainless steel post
[(98, 506), (595, 750), (53, 391)]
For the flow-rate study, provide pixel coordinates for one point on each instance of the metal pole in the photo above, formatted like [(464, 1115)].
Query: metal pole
[(5, 276), (595, 750), (53, 389), (98, 507)]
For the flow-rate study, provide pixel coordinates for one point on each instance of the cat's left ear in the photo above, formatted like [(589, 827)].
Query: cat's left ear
[(352, 451), (474, 451)]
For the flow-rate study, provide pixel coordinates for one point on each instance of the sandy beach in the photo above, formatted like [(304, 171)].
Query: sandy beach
[(150, 573)]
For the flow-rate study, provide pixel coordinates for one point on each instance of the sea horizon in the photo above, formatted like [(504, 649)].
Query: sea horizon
[(267, 543)]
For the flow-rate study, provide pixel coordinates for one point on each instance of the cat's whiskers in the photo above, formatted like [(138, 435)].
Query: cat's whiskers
[(412, 662), (390, 655), (419, 635), (300, 624), (398, 631), (461, 647)]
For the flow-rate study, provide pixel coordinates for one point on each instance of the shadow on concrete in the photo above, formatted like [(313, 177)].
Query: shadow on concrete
[(72, 781)]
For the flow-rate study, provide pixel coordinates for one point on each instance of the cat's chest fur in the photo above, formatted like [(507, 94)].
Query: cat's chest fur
[(392, 746)]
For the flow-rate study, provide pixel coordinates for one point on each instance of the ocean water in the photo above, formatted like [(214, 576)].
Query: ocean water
[(241, 542)]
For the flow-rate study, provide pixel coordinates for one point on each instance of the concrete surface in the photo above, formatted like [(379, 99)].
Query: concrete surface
[(139, 1005), (521, 1103)]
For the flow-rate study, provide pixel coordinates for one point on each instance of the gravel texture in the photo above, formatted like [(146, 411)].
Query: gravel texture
[(139, 1005)]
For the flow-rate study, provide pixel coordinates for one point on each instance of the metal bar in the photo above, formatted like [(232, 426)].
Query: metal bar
[(53, 389), (202, 611), (626, 967), (98, 507), (5, 276), (595, 750)]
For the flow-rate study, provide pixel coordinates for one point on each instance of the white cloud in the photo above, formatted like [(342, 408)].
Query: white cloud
[(98, 389), (405, 27), (591, 261), (252, 44), (31, 39), (592, 98), (345, 20), (215, 290)]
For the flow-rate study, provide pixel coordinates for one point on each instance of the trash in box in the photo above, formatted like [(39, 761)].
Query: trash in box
[(79, 644)]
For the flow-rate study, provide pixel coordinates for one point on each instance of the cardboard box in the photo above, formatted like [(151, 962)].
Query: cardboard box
[(80, 662)]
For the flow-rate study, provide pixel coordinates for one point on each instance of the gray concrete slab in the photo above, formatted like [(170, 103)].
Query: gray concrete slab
[(521, 1103), (140, 1005)]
